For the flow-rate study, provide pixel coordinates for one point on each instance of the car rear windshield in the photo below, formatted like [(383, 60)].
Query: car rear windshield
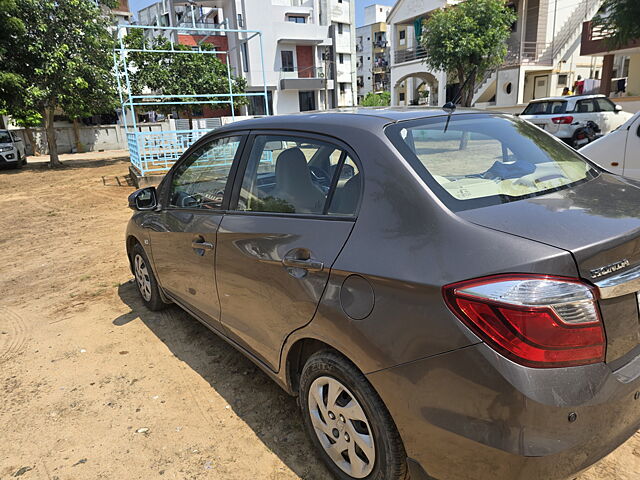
[(542, 108), (475, 160)]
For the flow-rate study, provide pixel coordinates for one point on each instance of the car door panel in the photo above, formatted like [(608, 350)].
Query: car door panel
[(186, 273), (183, 234), (290, 218), (263, 300)]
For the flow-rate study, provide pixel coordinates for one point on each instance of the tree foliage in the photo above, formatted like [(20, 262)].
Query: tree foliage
[(382, 99), (468, 39), (169, 73), (622, 17), (61, 57)]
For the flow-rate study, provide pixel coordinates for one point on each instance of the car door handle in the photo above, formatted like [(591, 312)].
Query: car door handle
[(308, 264), (199, 245)]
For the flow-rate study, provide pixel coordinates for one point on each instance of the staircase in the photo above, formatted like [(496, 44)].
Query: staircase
[(544, 54)]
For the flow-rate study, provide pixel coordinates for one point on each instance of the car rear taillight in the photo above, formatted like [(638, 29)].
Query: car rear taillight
[(566, 120), (535, 320)]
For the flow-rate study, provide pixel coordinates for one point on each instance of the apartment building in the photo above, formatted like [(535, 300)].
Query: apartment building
[(307, 46), (372, 51), (543, 54)]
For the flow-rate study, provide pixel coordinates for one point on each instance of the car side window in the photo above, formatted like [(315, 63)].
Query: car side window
[(291, 174), (200, 181), (605, 105), (585, 106), (346, 196)]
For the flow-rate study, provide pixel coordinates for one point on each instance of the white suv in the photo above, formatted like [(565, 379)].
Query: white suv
[(562, 116), (12, 152)]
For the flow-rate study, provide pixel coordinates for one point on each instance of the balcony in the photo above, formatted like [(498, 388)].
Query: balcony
[(409, 54), (380, 44), (310, 78), (595, 41)]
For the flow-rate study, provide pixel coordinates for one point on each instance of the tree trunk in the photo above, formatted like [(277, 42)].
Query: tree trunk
[(76, 136), (54, 161), (190, 117), (32, 141)]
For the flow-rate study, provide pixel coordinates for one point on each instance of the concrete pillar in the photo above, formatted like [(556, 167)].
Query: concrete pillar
[(442, 88), (607, 75)]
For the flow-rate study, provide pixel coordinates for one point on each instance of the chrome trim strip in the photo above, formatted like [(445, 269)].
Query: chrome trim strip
[(620, 284)]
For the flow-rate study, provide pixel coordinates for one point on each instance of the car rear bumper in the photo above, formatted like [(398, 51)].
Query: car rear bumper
[(475, 415)]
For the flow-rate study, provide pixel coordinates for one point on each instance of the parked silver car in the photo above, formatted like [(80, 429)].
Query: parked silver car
[(12, 152), (564, 116), (451, 296)]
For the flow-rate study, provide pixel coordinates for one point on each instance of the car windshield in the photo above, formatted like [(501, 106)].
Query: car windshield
[(5, 137), (541, 108), (474, 160)]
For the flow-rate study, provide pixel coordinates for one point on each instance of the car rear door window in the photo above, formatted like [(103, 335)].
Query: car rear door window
[(200, 181), (297, 175), (585, 106)]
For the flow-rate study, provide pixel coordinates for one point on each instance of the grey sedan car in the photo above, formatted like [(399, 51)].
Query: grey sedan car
[(451, 295)]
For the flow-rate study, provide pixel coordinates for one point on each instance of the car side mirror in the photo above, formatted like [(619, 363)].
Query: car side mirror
[(617, 108), (143, 199)]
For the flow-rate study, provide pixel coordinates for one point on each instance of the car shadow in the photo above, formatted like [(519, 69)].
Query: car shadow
[(271, 413)]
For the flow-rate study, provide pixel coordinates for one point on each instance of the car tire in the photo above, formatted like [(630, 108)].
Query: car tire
[(146, 280), (20, 162), (353, 433)]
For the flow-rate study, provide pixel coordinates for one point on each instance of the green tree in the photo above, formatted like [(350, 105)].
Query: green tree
[(168, 73), (622, 17), (467, 39), (382, 99), (11, 83), (63, 57)]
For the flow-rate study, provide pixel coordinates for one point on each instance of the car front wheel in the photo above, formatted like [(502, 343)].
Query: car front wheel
[(347, 421), (146, 280)]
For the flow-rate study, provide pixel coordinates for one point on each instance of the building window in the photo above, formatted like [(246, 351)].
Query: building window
[(401, 97), (340, 29), (245, 57), (287, 60), (240, 22), (562, 79), (257, 107), (341, 57), (297, 19), (342, 88), (403, 34)]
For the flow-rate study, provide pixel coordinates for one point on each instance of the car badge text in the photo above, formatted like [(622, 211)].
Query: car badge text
[(607, 269)]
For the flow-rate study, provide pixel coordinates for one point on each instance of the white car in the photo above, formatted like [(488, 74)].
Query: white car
[(12, 153), (619, 151), (563, 116)]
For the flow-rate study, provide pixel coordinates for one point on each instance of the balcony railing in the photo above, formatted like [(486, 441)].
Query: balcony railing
[(409, 54), (189, 26), (307, 72), (595, 40), (380, 44)]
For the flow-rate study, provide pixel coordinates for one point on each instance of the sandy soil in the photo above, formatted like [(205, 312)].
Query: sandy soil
[(93, 386)]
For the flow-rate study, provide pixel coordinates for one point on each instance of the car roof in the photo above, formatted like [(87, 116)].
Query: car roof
[(351, 116), (566, 98)]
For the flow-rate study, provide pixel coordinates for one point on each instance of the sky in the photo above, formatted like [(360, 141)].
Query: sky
[(136, 5)]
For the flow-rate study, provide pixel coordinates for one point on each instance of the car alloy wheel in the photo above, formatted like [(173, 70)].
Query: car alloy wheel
[(142, 277), (342, 427)]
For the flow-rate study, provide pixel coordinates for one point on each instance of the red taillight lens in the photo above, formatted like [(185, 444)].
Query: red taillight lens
[(562, 120), (535, 320)]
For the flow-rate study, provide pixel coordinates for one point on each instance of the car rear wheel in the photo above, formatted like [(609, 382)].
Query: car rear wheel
[(347, 421), (146, 280)]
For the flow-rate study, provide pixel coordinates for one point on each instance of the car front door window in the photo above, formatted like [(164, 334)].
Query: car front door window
[(200, 181)]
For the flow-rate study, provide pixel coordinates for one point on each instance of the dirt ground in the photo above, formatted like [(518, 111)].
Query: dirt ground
[(93, 386)]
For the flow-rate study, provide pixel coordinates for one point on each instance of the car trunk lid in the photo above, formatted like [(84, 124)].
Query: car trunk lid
[(599, 223)]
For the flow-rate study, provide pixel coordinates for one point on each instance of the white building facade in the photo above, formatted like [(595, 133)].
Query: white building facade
[(372, 51), (543, 54), (308, 47)]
